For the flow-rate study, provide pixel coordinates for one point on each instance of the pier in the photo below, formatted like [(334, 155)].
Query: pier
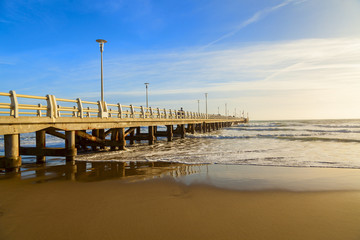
[(86, 125)]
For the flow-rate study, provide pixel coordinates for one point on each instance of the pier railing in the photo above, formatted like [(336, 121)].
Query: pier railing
[(50, 106)]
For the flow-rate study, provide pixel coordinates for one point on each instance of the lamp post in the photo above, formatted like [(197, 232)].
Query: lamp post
[(101, 43), (198, 106), (147, 95), (206, 104)]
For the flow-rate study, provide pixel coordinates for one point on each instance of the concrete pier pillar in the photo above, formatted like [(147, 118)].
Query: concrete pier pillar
[(155, 131), (203, 125), (169, 132), (199, 127), (151, 135), (70, 145), (121, 138), (192, 130), (102, 136), (12, 160), (40, 145), (132, 134), (138, 132), (182, 130), (114, 137), (95, 133)]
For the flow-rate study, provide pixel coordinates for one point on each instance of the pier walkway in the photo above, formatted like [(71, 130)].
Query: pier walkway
[(95, 125)]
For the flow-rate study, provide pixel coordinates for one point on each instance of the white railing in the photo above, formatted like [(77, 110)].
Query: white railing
[(53, 107)]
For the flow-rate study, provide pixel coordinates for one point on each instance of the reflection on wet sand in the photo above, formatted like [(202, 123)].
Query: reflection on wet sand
[(85, 171)]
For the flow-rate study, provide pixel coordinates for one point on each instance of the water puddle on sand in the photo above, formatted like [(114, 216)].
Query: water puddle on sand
[(85, 171), (235, 177)]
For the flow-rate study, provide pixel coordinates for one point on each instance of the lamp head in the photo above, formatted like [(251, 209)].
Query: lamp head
[(101, 42)]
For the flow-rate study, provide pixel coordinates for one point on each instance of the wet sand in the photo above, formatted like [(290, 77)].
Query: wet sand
[(166, 209)]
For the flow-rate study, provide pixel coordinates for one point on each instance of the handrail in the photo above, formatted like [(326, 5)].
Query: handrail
[(51, 109)]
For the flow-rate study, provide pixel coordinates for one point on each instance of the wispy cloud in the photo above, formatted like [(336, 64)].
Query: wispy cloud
[(253, 19)]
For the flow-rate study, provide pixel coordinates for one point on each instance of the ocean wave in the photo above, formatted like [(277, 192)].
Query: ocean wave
[(338, 126), (265, 129), (313, 139)]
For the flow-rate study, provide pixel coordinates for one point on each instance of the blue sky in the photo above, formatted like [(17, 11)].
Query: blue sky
[(276, 59)]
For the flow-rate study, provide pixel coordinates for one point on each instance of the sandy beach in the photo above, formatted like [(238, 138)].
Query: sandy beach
[(166, 209)]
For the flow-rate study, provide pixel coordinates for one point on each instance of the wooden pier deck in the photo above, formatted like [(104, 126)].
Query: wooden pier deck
[(95, 125)]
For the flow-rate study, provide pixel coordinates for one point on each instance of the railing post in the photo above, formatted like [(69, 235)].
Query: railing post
[(151, 112), (39, 110), (52, 108), (80, 108), (100, 109), (170, 113), (132, 111), (88, 112), (165, 113), (119, 110), (142, 112), (158, 111), (74, 112), (103, 112), (58, 114), (14, 106)]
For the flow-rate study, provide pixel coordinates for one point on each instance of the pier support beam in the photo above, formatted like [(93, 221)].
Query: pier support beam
[(169, 132), (40, 145), (182, 130), (95, 133), (132, 134), (114, 137), (151, 136), (12, 160), (70, 145), (203, 127), (102, 136), (138, 133), (190, 128), (121, 138)]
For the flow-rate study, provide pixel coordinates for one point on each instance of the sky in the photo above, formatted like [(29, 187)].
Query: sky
[(272, 59)]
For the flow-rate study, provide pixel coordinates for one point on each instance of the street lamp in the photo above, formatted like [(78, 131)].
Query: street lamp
[(101, 42), (198, 106), (147, 95), (206, 104)]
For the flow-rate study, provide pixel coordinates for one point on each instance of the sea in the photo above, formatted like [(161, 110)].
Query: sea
[(285, 146), (304, 143)]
